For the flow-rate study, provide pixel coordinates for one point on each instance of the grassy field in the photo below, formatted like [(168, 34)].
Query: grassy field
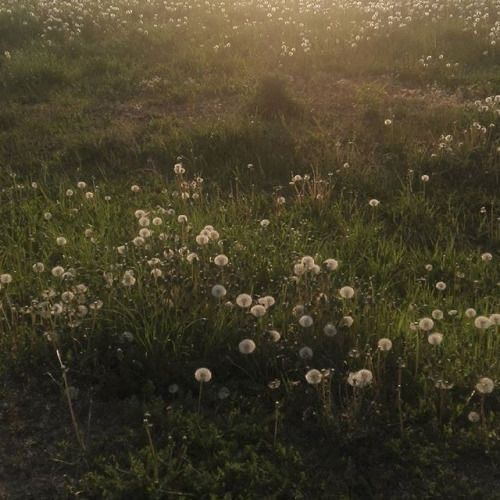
[(249, 249)]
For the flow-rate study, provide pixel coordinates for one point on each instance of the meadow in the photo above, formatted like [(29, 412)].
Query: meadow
[(249, 249)]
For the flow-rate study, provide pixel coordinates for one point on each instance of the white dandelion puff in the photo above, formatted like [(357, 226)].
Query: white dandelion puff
[(384, 344), (485, 385), (247, 346), (203, 375), (314, 377), (244, 300)]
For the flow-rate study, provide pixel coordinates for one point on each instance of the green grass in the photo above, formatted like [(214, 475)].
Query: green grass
[(116, 104)]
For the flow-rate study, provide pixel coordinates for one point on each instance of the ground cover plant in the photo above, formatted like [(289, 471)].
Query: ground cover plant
[(249, 249)]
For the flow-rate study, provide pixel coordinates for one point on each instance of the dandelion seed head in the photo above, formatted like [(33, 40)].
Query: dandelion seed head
[(6, 278), (441, 285), (470, 312), (258, 310), (274, 335), (247, 346), (426, 324), (384, 344), (330, 330), (218, 291), (437, 314), (314, 377), (306, 353), (435, 338), (57, 271), (221, 260), (244, 300), (331, 264), (306, 321), (346, 292), (482, 322), (473, 417), (203, 375), (39, 267), (485, 385)]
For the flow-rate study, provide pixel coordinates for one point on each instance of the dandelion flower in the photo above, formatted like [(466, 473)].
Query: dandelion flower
[(202, 239), (374, 203), (179, 169), (265, 222), (361, 378), (61, 241), (156, 273), (299, 269), (218, 291), (128, 279), (424, 178), (247, 346), (267, 301), (330, 330), (306, 321), (426, 324), (144, 221), (306, 353), (441, 285), (473, 417), (135, 188), (191, 257), (298, 310), (470, 312), (307, 262), (5, 278), (221, 260), (39, 267), (487, 257), (384, 344), (203, 375), (347, 321), (482, 322), (495, 319), (346, 292), (57, 271), (313, 377), (485, 385), (437, 314), (182, 219), (331, 264), (435, 338), (275, 335), (258, 310), (244, 300)]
